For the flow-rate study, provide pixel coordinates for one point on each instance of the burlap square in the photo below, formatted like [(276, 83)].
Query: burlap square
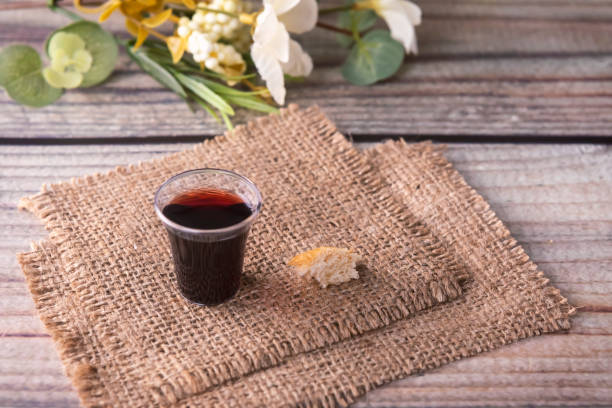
[(506, 299), (104, 283)]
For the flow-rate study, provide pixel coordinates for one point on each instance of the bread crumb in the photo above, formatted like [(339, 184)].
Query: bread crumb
[(328, 265)]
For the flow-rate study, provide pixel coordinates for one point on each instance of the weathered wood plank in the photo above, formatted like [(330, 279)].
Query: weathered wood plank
[(555, 199), (536, 367), (548, 9), (477, 75), (31, 375)]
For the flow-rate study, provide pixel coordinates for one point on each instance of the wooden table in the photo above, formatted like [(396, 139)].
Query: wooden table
[(488, 71)]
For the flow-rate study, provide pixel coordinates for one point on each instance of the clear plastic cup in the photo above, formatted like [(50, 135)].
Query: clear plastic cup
[(208, 214)]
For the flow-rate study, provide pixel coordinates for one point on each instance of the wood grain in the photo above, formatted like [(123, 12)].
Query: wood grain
[(560, 9), (556, 200), (486, 69)]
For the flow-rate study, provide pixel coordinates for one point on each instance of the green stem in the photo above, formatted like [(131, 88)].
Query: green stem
[(335, 29), (227, 13), (63, 11), (335, 9), (121, 42), (356, 36)]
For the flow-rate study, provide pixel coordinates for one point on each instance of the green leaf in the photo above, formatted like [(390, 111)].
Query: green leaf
[(161, 56), (377, 56), (21, 76), (16, 59), (226, 90), (205, 93), (294, 79), (205, 106), (237, 97), (228, 122), (158, 72), (229, 77), (100, 44), (354, 20), (251, 102)]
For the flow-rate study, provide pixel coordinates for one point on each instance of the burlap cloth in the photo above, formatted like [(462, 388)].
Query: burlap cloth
[(506, 299), (104, 283)]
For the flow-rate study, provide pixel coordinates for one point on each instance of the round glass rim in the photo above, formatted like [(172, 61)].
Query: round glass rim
[(198, 231)]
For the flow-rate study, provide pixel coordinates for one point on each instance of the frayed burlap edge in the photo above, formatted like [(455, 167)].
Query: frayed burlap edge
[(84, 374), (563, 309), (58, 322)]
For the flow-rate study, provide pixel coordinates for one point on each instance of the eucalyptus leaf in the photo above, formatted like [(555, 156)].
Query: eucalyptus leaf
[(205, 93), (100, 44), (158, 72), (376, 56), (21, 76), (354, 20)]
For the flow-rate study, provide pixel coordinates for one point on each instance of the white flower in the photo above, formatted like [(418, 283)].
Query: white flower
[(273, 52), (298, 16), (401, 16), (216, 56)]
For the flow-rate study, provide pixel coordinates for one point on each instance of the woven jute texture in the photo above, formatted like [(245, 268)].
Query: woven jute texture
[(506, 299), (104, 283)]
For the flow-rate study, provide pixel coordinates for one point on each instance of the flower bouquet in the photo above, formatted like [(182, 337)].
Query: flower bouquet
[(217, 54)]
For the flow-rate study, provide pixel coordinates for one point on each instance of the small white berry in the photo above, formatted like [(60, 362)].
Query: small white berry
[(211, 63), (228, 32), (183, 31), (210, 18), (193, 45), (199, 18), (233, 24), (205, 47)]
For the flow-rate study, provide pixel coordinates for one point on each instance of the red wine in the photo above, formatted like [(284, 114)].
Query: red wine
[(208, 272)]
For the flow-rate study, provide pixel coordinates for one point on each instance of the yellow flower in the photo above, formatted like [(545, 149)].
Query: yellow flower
[(176, 46), (141, 18)]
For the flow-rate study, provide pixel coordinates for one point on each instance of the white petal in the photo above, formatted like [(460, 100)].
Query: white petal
[(301, 18), (380, 5), (265, 25), (414, 48), (300, 63), (401, 28), (281, 6), (271, 34), (270, 70), (413, 12)]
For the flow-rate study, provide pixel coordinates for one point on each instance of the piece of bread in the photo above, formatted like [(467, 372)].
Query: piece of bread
[(328, 265)]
